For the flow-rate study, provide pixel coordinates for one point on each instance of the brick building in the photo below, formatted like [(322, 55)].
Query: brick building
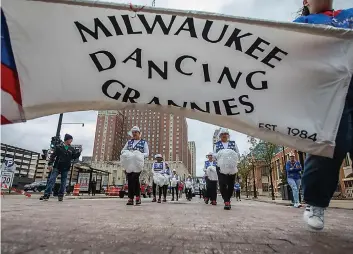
[(109, 135), (262, 174), (192, 148), (166, 134)]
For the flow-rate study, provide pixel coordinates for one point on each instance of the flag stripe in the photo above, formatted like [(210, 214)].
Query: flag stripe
[(10, 84)]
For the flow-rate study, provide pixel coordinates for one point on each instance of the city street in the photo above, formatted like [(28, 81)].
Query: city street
[(109, 226)]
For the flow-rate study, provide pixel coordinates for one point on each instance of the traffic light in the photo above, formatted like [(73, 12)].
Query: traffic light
[(54, 142)]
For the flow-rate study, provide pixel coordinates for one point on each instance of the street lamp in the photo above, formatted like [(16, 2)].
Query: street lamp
[(83, 125)]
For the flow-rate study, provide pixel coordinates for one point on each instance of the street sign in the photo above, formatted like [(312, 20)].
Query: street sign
[(9, 165), (83, 180), (6, 179)]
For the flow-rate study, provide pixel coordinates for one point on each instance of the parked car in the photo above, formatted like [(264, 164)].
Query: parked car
[(36, 186)]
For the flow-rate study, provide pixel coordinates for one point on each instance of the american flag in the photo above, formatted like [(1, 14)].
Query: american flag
[(11, 99)]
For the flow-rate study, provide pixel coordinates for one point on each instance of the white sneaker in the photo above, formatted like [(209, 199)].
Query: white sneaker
[(314, 217)]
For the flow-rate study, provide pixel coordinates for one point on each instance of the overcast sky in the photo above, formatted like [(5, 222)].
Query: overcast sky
[(35, 135)]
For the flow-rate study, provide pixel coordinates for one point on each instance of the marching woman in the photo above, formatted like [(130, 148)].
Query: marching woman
[(175, 184), (226, 181), (158, 167), (212, 179), (166, 173), (188, 187), (321, 174), (133, 178)]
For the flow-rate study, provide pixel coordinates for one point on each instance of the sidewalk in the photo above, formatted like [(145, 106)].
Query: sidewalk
[(338, 204)]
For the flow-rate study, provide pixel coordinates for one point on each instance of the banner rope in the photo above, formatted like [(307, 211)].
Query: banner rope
[(137, 9)]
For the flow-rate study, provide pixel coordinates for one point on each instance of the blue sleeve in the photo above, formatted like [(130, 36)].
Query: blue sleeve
[(287, 166), (301, 19), (299, 167)]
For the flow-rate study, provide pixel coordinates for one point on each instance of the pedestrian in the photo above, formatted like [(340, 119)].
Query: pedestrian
[(133, 178), (237, 189), (211, 187), (202, 186), (181, 189), (60, 163), (163, 189), (293, 169), (175, 184), (320, 177), (157, 168), (188, 187), (93, 186), (226, 181)]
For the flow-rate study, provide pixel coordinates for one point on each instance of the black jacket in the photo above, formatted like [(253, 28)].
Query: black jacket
[(61, 158)]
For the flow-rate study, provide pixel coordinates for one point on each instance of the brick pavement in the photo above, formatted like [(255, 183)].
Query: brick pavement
[(109, 226)]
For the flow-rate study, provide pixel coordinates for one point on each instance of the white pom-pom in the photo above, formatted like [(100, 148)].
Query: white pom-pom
[(174, 182), (132, 161), (212, 173), (227, 161)]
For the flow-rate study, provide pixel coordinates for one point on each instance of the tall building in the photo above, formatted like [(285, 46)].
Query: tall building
[(192, 148), (109, 135), (215, 137), (166, 134)]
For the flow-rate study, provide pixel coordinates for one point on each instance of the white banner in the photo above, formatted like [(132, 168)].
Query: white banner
[(281, 82), (83, 180)]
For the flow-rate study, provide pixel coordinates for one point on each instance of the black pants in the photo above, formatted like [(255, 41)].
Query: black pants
[(154, 190), (237, 194), (163, 190), (212, 190), (176, 191), (226, 185), (133, 183), (93, 191), (188, 193)]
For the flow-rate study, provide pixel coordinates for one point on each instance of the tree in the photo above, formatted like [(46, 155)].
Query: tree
[(264, 151), (244, 171)]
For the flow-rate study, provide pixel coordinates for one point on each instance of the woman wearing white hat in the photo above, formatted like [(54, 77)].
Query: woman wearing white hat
[(133, 178), (226, 182), (175, 184), (159, 167), (211, 180), (188, 187)]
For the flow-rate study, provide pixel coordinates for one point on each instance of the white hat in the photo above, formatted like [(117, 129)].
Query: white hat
[(291, 155), (174, 170), (135, 128), (158, 156), (210, 153), (223, 131)]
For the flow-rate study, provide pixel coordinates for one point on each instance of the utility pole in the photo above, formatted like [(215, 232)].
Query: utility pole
[(58, 129)]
